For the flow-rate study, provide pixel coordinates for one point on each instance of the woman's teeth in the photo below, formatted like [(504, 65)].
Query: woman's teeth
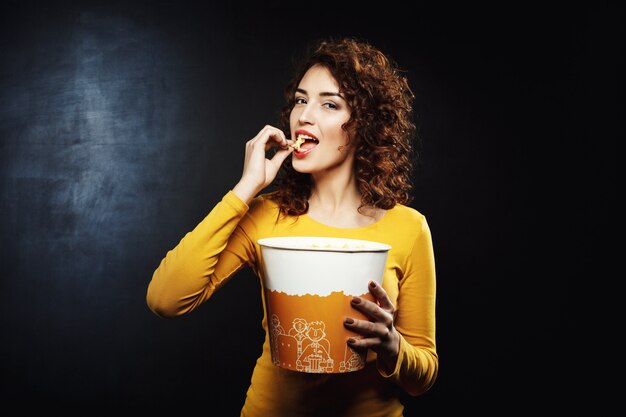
[(301, 139)]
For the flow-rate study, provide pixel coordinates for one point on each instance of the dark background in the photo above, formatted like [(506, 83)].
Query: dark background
[(123, 123)]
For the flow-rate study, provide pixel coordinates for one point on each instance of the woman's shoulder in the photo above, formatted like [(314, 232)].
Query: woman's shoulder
[(409, 224), (404, 213), (264, 204)]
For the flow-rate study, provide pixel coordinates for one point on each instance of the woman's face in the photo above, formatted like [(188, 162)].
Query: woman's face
[(318, 113)]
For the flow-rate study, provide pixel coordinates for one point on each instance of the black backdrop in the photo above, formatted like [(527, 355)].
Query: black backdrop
[(122, 124)]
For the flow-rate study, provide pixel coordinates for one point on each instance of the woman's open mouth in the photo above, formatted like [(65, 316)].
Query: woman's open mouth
[(304, 144)]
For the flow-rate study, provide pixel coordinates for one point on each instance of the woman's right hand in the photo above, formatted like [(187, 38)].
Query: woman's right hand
[(258, 170)]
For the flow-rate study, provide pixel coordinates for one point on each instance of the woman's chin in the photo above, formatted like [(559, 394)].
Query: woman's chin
[(300, 168)]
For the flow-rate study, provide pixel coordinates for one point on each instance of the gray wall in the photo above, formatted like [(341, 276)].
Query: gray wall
[(122, 124)]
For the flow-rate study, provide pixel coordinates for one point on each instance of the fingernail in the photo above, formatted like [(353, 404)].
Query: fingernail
[(351, 341), (356, 300), (348, 321), (372, 284)]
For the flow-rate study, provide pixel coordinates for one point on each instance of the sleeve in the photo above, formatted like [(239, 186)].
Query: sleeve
[(418, 364), (202, 261)]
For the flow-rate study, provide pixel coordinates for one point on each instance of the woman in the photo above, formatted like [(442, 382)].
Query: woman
[(349, 179)]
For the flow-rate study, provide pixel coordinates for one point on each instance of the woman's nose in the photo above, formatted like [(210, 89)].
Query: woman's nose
[(307, 116)]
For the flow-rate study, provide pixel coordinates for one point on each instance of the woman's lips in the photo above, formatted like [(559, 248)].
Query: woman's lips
[(303, 152)]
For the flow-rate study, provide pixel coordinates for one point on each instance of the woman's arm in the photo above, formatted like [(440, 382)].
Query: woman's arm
[(403, 339), (186, 276), (417, 364)]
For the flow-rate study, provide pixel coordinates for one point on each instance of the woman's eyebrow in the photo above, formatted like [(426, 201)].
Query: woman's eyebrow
[(322, 94)]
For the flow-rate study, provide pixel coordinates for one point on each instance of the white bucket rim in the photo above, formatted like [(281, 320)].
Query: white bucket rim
[(323, 244)]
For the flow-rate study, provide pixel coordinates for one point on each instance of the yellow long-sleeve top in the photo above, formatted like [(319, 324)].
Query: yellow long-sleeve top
[(226, 241)]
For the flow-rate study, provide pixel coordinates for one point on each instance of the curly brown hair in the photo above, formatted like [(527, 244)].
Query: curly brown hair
[(381, 125)]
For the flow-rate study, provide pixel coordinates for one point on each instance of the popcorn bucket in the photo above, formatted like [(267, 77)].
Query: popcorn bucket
[(309, 282)]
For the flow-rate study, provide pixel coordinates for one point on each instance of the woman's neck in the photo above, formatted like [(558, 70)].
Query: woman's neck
[(334, 194), (335, 201)]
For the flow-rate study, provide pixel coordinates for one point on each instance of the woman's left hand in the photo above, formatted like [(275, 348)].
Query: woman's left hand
[(378, 333)]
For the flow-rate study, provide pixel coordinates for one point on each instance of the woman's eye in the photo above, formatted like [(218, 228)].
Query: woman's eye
[(330, 105), (300, 100)]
